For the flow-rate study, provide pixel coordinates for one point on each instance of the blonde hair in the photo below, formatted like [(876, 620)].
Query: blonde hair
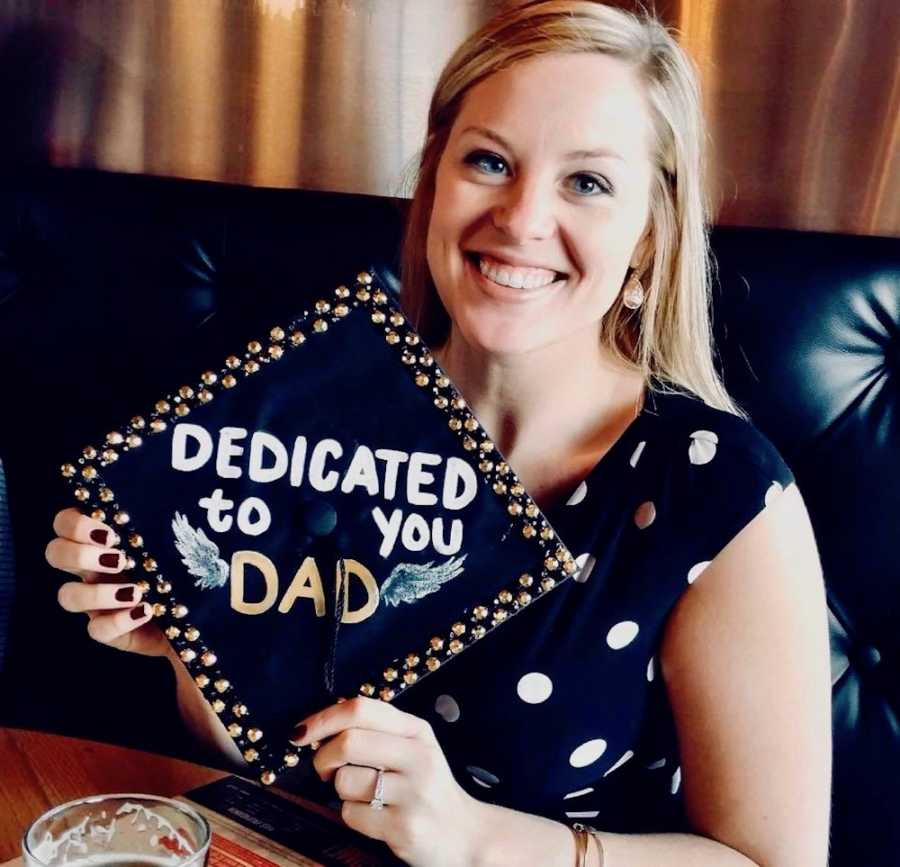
[(670, 339)]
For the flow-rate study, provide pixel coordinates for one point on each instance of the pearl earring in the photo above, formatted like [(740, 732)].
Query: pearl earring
[(633, 296)]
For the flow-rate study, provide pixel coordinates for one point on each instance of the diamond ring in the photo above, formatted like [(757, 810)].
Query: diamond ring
[(377, 803)]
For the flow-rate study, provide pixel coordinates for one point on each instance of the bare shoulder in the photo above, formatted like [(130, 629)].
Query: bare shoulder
[(745, 660)]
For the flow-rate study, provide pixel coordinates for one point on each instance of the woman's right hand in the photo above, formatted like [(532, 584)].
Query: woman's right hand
[(117, 616)]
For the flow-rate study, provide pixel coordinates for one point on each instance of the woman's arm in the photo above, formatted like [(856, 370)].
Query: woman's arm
[(745, 659), (510, 837), (747, 666), (200, 719)]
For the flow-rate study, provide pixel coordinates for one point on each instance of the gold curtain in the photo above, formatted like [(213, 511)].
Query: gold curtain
[(803, 96)]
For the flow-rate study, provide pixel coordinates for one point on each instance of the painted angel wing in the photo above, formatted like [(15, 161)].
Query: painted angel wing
[(411, 581), (200, 554)]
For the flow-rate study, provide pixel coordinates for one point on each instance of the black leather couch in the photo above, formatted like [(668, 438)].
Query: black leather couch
[(113, 288)]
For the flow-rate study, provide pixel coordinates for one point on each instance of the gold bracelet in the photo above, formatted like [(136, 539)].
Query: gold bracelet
[(582, 834)]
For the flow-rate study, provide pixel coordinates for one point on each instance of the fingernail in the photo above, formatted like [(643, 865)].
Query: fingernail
[(299, 733), (125, 594), (109, 559), (138, 612), (99, 536)]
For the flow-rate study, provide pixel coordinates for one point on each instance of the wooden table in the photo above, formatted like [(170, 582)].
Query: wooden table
[(38, 771)]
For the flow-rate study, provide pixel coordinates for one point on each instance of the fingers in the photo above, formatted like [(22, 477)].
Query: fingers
[(356, 783), (362, 818), (79, 597), (362, 712), (78, 557), (107, 628), (71, 524), (372, 749), (116, 612)]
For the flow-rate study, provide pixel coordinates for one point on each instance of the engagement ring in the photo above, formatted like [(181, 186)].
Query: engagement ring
[(377, 803)]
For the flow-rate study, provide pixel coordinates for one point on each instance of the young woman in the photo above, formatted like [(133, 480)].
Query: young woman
[(677, 694)]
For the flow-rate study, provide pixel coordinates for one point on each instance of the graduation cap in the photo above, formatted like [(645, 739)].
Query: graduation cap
[(320, 516)]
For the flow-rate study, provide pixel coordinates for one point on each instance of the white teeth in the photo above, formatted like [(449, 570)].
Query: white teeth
[(517, 278)]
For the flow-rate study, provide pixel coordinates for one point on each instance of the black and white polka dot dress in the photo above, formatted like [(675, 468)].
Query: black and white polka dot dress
[(563, 711)]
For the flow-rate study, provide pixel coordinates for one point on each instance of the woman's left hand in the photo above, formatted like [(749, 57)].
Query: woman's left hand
[(427, 819)]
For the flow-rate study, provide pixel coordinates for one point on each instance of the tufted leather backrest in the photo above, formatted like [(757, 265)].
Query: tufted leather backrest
[(112, 288), (809, 332), (7, 568)]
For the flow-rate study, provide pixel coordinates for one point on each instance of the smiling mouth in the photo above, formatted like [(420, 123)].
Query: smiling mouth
[(511, 277)]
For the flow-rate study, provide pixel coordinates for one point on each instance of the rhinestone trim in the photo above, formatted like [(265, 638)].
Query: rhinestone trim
[(85, 476)]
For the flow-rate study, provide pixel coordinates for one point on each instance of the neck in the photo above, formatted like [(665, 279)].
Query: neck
[(567, 398)]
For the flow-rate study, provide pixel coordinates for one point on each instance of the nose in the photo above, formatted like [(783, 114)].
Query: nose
[(525, 210)]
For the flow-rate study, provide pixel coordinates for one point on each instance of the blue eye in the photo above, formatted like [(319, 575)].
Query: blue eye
[(481, 158), (601, 185)]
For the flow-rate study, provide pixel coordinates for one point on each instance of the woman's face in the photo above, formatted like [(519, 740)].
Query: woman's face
[(547, 166)]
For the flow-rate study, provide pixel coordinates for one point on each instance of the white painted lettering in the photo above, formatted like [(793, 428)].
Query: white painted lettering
[(317, 478), (392, 459), (415, 535), (361, 472), (389, 529), (298, 459), (180, 459), (215, 504), (458, 471), (417, 476), (260, 443), (437, 536), (245, 521), (228, 450)]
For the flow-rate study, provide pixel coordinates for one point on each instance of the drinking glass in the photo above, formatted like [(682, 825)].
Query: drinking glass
[(118, 831)]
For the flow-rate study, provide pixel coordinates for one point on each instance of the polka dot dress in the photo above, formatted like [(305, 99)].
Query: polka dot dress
[(563, 711)]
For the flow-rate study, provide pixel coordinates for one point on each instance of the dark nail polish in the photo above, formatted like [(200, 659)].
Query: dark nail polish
[(138, 612), (125, 594), (109, 559), (99, 536), (299, 732)]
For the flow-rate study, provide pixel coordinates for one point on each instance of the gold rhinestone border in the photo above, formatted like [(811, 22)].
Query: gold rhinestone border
[(85, 476)]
